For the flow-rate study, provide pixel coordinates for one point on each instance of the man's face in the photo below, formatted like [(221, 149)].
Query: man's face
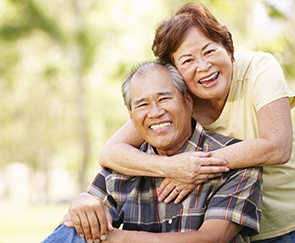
[(161, 114)]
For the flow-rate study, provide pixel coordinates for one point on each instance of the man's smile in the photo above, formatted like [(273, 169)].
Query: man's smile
[(160, 125)]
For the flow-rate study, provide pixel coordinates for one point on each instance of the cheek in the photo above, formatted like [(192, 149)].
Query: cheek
[(192, 86), (181, 69), (186, 77), (187, 73), (137, 118), (227, 73)]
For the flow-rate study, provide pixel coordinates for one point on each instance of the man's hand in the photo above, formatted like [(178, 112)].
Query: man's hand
[(90, 217)]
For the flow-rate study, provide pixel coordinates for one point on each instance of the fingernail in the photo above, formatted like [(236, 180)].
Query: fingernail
[(89, 241), (103, 237), (66, 223)]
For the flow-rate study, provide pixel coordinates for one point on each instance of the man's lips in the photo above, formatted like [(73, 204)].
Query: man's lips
[(209, 78), (160, 125)]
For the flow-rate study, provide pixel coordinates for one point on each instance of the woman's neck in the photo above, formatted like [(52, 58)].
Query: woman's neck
[(207, 111)]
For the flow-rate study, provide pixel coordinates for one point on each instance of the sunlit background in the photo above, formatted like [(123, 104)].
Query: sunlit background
[(61, 67)]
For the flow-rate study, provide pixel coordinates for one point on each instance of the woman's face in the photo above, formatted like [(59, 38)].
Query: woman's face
[(205, 66)]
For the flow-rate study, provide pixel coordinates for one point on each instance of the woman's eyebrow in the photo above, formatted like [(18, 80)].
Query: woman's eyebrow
[(203, 48)]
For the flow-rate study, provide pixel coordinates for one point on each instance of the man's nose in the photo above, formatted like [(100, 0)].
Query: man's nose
[(155, 111)]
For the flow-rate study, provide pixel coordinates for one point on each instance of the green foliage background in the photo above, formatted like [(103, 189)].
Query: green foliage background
[(61, 68)]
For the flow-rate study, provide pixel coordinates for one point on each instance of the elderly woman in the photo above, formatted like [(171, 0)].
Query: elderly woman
[(243, 95)]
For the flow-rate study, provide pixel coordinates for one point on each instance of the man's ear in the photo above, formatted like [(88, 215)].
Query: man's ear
[(131, 116), (189, 101)]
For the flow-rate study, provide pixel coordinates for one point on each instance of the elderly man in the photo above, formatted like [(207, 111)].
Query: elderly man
[(222, 209)]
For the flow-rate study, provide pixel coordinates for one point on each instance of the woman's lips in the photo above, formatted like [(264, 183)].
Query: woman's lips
[(207, 80)]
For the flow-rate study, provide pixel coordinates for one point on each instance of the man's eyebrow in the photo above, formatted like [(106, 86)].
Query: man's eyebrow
[(164, 93), (138, 101)]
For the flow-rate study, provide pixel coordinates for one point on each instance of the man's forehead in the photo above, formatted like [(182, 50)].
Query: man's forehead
[(158, 75), (151, 85)]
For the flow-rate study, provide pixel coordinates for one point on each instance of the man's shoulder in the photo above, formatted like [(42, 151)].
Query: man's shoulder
[(215, 140)]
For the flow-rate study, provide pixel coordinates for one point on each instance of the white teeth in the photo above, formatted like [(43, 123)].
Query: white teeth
[(209, 78), (159, 126)]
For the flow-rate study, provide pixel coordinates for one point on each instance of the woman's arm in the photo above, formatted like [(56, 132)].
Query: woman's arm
[(274, 145), (121, 154)]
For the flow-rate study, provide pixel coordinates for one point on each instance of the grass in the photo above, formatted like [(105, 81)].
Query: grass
[(29, 224)]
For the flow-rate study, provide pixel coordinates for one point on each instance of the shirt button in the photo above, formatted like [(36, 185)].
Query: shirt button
[(170, 221)]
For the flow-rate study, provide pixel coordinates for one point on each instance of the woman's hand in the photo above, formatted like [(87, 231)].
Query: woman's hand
[(172, 189), (188, 170), (195, 167), (90, 217)]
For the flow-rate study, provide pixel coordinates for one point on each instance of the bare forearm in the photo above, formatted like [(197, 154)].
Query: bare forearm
[(274, 145), (253, 152), (188, 167), (120, 153), (131, 161), (223, 231), (146, 237)]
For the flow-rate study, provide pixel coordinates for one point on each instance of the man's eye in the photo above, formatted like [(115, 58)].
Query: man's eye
[(164, 98), (141, 105)]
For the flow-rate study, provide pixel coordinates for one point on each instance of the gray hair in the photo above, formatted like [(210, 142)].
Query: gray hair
[(142, 69)]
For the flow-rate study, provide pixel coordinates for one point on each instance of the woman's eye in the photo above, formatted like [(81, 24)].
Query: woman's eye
[(187, 61), (209, 52)]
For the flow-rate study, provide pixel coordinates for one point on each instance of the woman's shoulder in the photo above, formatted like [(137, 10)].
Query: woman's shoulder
[(247, 57), (249, 62)]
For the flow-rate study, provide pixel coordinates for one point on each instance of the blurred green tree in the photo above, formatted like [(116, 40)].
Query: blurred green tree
[(36, 101), (62, 63)]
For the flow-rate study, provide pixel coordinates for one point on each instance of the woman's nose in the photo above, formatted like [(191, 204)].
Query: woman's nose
[(203, 65)]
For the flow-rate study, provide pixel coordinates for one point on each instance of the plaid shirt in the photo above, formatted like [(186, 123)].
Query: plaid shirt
[(235, 196)]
